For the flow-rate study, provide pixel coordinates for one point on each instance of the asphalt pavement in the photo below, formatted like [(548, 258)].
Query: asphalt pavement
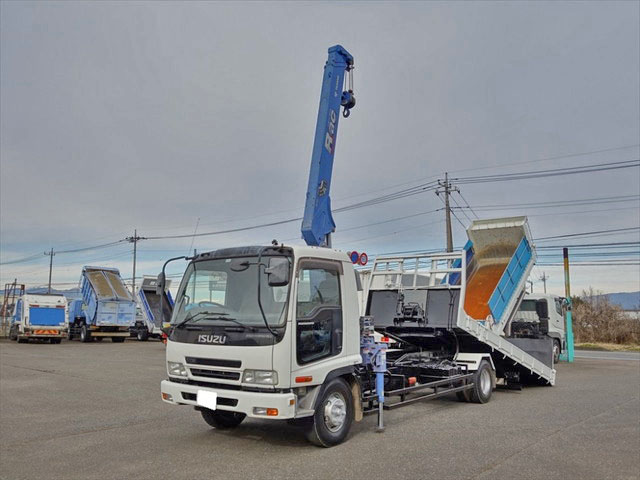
[(93, 411), (607, 355)]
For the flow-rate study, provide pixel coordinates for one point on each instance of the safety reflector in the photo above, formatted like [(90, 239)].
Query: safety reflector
[(304, 379)]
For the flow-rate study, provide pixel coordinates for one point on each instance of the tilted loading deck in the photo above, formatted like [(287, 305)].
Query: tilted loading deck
[(472, 293)]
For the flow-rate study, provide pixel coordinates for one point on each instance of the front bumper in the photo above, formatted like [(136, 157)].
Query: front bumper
[(233, 400)]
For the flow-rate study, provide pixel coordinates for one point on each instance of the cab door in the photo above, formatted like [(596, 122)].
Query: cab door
[(319, 319)]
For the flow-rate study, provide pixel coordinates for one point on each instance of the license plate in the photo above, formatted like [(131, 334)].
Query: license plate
[(207, 399)]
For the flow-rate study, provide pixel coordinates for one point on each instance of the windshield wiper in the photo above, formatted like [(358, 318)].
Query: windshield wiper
[(195, 316)]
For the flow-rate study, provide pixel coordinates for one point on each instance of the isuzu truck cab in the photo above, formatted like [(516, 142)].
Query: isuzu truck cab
[(246, 341)]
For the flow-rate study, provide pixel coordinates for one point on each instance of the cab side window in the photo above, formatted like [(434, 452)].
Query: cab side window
[(318, 313)]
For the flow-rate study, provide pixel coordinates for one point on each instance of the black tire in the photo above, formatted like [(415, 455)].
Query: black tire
[(117, 339), (483, 382), (56, 341), (13, 334), (333, 415), (142, 335), (556, 351), (222, 420), (22, 340), (98, 339), (85, 334), (69, 334)]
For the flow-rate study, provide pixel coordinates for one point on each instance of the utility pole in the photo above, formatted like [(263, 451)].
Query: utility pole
[(446, 188), (569, 353), (134, 240), (543, 278), (51, 255)]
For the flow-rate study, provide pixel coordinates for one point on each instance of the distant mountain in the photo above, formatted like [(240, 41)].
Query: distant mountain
[(626, 300)]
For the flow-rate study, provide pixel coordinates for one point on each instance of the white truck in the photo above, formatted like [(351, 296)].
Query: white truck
[(275, 332), (540, 315), (39, 316), (153, 308)]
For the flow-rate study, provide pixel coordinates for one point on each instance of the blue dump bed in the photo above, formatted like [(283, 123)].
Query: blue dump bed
[(499, 257), (106, 298)]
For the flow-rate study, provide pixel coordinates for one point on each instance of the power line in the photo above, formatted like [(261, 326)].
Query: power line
[(598, 167), (584, 234)]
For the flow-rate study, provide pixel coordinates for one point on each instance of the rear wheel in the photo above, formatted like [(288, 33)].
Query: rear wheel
[(333, 415), (117, 339), (22, 340), (222, 420), (85, 334), (483, 383), (556, 351), (13, 334)]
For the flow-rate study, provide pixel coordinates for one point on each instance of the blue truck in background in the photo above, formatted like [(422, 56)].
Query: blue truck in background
[(107, 308), (39, 317)]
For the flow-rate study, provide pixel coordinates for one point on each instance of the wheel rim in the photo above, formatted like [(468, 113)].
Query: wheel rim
[(485, 382), (556, 351), (335, 412)]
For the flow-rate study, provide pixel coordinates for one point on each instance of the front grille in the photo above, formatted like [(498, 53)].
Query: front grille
[(228, 402), (214, 362), (199, 372), (222, 386)]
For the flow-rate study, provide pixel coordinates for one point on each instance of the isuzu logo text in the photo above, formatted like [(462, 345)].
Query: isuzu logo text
[(219, 339), (329, 139)]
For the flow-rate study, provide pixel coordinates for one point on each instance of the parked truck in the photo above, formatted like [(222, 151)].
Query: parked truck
[(153, 308), (542, 315), (275, 332), (39, 316), (107, 308)]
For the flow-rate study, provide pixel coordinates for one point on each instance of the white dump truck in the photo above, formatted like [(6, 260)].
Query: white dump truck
[(153, 308), (541, 315), (39, 316), (275, 332)]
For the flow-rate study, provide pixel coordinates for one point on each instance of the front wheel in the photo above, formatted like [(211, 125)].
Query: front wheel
[(142, 335), (333, 415), (222, 420)]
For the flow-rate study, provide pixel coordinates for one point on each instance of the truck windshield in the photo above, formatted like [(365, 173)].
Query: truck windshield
[(226, 291)]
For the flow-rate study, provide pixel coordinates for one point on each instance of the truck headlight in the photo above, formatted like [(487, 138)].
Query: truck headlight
[(176, 369), (264, 377)]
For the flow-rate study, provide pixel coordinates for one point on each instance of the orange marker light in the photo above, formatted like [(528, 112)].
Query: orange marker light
[(272, 412), (304, 379)]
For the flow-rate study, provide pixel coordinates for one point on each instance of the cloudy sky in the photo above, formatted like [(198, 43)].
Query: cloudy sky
[(180, 117)]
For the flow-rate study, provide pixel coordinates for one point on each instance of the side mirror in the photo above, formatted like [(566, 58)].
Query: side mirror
[(278, 271), (542, 308), (160, 284)]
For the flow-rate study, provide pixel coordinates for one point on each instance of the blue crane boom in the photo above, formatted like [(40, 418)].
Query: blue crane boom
[(317, 222)]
